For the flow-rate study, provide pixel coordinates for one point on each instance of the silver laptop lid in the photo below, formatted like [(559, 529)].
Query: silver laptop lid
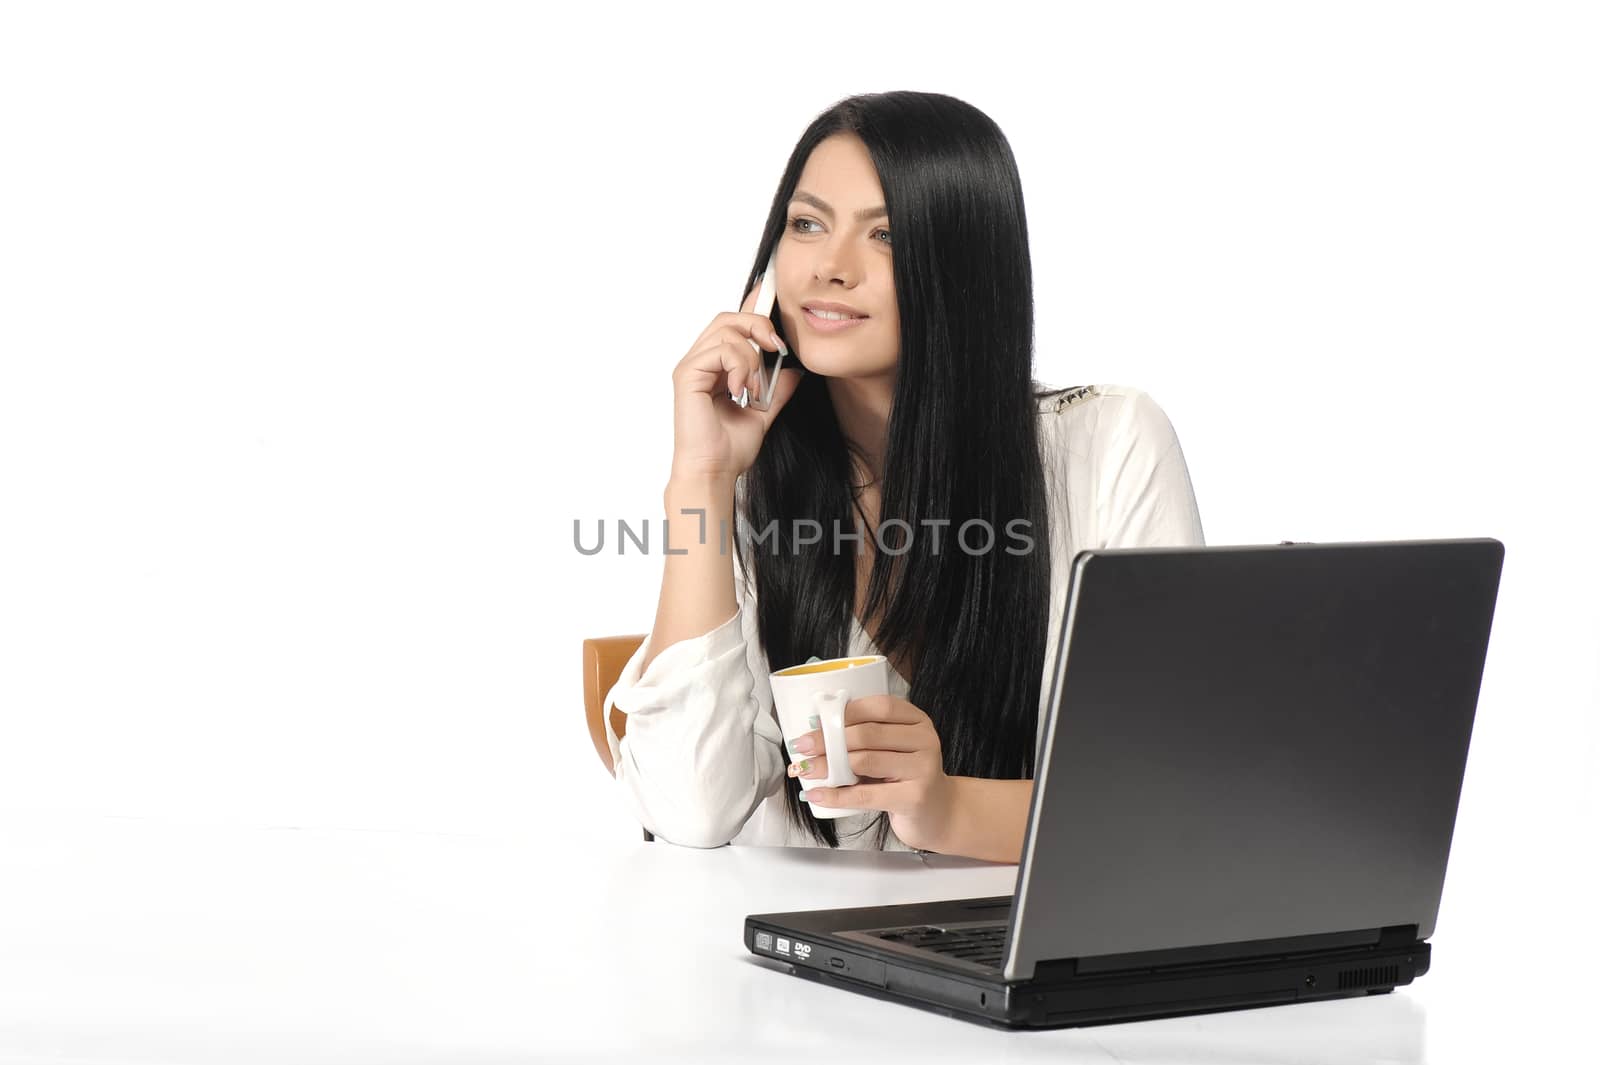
[(1249, 743)]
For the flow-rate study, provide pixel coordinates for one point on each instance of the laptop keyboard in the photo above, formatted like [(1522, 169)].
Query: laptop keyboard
[(981, 944)]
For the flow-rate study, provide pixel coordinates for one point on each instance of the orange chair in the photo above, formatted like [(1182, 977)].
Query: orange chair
[(603, 659)]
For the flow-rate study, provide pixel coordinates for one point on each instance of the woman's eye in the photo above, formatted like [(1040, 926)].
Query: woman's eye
[(799, 224)]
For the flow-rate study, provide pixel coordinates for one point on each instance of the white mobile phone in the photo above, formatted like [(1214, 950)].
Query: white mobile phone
[(771, 361)]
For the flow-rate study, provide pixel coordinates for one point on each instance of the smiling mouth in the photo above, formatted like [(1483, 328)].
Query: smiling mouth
[(830, 325)]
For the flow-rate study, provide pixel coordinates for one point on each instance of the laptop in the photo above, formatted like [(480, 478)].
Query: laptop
[(1244, 795)]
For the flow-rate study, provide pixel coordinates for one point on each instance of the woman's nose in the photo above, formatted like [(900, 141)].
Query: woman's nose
[(833, 264)]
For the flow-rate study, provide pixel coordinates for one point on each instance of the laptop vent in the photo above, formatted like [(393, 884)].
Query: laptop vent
[(1380, 976)]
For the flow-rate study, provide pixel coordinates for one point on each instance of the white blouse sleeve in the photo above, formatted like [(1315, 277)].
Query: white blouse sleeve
[(1143, 497), (702, 748)]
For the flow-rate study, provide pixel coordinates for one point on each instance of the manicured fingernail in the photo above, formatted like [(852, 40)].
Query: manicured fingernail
[(813, 721), (744, 397), (804, 797), (805, 745)]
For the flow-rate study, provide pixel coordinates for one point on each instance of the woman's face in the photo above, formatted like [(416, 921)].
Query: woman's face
[(830, 255)]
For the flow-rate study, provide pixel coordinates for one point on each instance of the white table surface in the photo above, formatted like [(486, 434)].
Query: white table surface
[(141, 941)]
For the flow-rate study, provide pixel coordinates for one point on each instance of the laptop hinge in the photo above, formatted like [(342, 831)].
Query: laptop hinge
[(1397, 935)]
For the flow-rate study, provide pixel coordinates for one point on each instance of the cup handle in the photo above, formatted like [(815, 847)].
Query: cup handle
[(829, 708)]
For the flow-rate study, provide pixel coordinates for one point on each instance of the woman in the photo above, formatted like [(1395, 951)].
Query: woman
[(917, 418)]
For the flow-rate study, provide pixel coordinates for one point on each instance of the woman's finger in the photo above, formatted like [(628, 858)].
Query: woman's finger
[(757, 327), (874, 736), (810, 767), (723, 367), (867, 765), (753, 356), (877, 795), (886, 765), (885, 736), (890, 708)]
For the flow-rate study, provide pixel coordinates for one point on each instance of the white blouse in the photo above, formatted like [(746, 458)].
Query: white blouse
[(702, 761)]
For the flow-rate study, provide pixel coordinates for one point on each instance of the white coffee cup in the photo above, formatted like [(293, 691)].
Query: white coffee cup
[(812, 696)]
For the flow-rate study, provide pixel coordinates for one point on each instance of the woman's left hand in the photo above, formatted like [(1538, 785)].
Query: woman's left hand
[(894, 750)]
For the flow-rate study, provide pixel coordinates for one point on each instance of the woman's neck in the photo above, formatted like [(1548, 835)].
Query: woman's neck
[(861, 405)]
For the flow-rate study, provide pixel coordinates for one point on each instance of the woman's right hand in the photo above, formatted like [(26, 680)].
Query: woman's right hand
[(714, 437)]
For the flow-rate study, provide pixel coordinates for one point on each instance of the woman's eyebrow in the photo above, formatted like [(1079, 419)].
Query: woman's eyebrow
[(861, 216)]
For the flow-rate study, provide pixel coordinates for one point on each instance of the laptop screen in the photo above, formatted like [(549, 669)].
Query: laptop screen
[(1251, 743)]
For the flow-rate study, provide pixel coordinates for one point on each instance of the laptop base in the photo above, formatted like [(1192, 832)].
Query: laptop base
[(1058, 997), (1084, 1020)]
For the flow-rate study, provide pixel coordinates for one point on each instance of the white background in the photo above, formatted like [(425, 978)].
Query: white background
[(321, 324)]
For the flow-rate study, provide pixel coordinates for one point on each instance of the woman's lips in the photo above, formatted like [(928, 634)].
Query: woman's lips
[(824, 325)]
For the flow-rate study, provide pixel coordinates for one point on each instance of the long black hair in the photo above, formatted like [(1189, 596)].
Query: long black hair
[(962, 444)]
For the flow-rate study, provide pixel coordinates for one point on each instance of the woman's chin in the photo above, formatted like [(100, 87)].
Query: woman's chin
[(829, 364)]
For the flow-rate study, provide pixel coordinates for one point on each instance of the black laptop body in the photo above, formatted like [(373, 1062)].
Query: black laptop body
[(1245, 794)]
